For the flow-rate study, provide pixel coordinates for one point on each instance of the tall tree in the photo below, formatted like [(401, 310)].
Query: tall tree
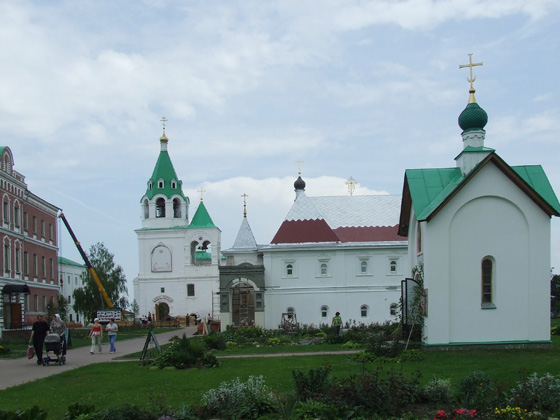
[(87, 299), (555, 295)]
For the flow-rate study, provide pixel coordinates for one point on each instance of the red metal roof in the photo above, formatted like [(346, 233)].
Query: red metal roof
[(368, 233), (299, 231)]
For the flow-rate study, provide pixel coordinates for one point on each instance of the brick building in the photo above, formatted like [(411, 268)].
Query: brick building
[(28, 259)]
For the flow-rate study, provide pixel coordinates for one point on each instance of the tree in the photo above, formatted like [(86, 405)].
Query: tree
[(555, 295), (134, 307), (88, 299)]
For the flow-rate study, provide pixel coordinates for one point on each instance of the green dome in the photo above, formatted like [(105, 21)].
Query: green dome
[(473, 117)]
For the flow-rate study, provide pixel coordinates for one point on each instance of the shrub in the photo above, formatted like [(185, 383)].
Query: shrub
[(439, 391), (476, 391), (77, 409), (240, 400), (125, 412), (4, 350), (33, 413), (376, 392), (313, 384), (181, 354), (215, 341), (537, 393), (385, 344)]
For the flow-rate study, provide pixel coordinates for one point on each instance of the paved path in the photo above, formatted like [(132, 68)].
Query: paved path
[(19, 371)]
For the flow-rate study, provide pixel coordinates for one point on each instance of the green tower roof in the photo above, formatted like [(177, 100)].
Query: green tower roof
[(201, 218), (164, 171)]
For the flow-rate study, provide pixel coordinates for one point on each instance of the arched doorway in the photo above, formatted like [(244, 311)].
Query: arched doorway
[(243, 304), (162, 311)]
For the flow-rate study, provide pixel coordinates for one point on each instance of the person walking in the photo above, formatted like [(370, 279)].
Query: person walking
[(112, 329), (96, 335), (59, 327), (336, 323), (39, 331)]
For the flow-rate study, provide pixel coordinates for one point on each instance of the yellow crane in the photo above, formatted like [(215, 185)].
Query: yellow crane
[(88, 264)]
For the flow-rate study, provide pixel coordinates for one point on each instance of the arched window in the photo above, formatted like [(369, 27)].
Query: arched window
[(487, 269), (364, 311), (160, 207), (324, 268), (324, 311), (393, 266), (176, 208), (363, 267), (146, 208), (289, 270), (290, 310)]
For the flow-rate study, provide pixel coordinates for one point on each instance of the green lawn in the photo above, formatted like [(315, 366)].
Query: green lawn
[(110, 384)]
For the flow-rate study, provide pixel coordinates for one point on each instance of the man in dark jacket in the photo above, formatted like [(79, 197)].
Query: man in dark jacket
[(38, 333)]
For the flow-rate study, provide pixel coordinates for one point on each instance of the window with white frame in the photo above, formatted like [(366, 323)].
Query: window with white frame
[(364, 309), (487, 274), (323, 267), (190, 290), (393, 265), (324, 311), (289, 269)]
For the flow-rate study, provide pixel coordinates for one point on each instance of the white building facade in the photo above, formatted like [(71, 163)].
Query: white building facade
[(71, 275), (178, 260), (481, 231)]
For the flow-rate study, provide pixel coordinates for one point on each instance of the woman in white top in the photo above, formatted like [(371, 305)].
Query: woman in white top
[(112, 329)]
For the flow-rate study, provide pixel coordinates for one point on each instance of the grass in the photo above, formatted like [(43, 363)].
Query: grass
[(110, 384)]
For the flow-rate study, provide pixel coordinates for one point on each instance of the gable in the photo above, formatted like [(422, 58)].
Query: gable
[(302, 231), (428, 190)]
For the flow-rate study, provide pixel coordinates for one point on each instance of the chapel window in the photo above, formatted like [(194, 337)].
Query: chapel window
[(487, 268), (364, 311)]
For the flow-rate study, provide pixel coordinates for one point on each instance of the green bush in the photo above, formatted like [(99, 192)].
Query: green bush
[(125, 412), (537, 393), (476, 391), (377, 392), (240, 400), (313, 384), (215, 341), (33, 413), (182, 353), (77, 409), (439, 391)]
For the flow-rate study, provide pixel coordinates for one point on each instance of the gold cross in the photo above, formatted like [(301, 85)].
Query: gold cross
[(351, 185), (244, 204), (201, 191), (163, 121), (299, 162), (471, 65)]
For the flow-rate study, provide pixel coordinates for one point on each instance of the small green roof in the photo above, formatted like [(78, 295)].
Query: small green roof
[(66, 261), (201, 218), (203, 256), (429, 188), (165, 171)]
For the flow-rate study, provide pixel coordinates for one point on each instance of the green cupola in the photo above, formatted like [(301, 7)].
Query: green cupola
[(473, 116), (164, 179)]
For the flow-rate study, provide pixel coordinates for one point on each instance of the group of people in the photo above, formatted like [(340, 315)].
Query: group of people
[(41, 329), (96, 335)]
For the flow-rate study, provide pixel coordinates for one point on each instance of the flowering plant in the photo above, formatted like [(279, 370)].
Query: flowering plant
[(515, 413), (4, 350), (456, 413)]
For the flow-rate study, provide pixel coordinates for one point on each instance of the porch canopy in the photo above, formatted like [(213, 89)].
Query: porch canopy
[(15, 288)]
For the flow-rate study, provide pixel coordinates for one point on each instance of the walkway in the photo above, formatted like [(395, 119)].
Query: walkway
[(19, 371)]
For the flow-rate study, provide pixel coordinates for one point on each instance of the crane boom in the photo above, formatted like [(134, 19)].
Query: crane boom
[(88, 264)]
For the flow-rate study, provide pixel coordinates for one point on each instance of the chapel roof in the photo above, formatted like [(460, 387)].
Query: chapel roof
[(352, 218), (201, 218)]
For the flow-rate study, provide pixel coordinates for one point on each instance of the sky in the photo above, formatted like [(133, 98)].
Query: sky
[(362, 89)]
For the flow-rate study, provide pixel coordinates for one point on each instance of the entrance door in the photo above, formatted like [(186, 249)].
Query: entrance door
[(243, 304), (162, 311), (12, 315)]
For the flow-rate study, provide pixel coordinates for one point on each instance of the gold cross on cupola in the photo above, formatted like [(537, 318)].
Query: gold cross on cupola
[(163, 121), (351, 183), (244, 204), (472, 78), (299, 162), (201, 191)]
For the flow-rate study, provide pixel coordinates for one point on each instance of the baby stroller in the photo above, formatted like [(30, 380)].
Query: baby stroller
[(54, 344)]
